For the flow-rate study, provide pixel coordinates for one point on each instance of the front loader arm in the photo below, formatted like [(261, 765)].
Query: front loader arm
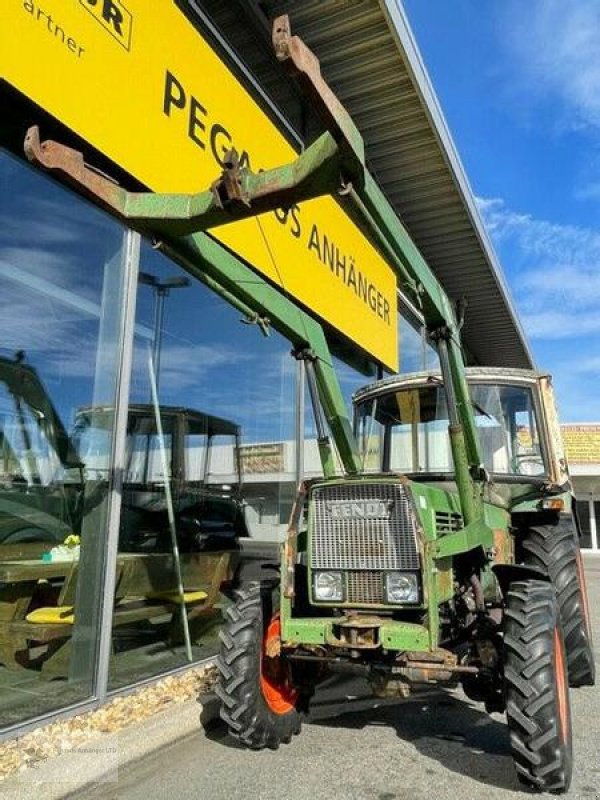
[(333, 164)]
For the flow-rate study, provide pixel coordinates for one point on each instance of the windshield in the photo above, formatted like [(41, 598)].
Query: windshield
[(27, 455), (212, 460), (407, 430), (197, 450)]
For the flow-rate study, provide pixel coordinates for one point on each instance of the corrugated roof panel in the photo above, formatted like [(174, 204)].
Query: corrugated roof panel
[(369, 57)]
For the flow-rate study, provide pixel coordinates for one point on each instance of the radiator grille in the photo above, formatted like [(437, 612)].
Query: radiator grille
[(385, 539), (365, 586)]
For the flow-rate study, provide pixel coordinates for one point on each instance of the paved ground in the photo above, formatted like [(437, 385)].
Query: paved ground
[(355, 749)]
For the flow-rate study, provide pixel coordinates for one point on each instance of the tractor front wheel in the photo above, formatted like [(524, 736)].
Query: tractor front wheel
[(536, 687), (259, 702), (555, 549)]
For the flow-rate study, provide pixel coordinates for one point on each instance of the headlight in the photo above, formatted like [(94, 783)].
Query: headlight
[(401, 587), (328, 586)]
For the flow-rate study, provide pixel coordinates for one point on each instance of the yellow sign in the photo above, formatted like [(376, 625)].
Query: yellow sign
[(262, 458), (137, 81), (582, 443)]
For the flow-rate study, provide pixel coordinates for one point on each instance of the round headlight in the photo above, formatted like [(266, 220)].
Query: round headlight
[(401, 587), (328, 586)]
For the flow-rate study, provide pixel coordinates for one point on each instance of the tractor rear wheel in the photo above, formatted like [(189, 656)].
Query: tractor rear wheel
[(536, 687), (259, 702), (555, 549)]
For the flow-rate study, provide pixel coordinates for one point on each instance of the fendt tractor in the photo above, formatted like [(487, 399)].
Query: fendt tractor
[(448, 550), (50, 479)]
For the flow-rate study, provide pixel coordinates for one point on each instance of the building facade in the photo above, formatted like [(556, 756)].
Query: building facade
[(582, 446), (136, 389)]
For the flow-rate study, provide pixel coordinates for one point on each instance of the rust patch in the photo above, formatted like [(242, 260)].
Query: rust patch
[(290, 547), (70, 167), (305, 66), (504, 547)]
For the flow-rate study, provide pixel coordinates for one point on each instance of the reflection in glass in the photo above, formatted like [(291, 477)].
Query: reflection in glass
[(226, 397), (61, 277), (583, 514), (416, 353)]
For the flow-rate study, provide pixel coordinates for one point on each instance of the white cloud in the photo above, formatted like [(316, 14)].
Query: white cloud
[(187, 367), (589, 191), (556, 47), (558, 282), (586, 365), (555, 277)]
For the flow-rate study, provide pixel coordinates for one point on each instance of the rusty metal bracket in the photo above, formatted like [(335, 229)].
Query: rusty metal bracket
[(334, 162), (69, 166), (306, 68), (237, 194), (229, 187)]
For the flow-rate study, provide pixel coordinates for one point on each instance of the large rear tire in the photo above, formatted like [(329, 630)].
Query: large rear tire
[(536, 687), (555, 549), (258, 699)]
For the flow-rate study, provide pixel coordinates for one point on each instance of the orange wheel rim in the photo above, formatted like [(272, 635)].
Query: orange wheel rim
[(276, 686), (561, 686)]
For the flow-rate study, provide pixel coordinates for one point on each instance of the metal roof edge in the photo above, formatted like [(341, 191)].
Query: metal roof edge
[(403, 380), (400, 27)]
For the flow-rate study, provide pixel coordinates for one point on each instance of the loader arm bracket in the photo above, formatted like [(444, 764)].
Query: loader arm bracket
[(304, 65), (238, 193)]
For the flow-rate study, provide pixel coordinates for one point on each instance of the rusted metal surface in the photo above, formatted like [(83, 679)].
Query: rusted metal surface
[(439, 665), (412, 670), (305, 66), (273, 647), (69, 166), (356, 632), (444, 578), (503, 551), (238, 192), (385, 687)]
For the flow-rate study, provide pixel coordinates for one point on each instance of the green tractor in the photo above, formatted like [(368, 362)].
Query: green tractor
[(448, 550), (380, 574)]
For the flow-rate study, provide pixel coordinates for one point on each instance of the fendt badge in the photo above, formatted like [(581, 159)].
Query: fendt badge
[(366, 509)]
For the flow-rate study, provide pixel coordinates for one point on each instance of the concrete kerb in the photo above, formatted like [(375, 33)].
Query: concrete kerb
[(99, 759)]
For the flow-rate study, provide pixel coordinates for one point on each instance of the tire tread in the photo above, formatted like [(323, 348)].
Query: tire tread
[(554, 549), (243, 709), (542, 760)]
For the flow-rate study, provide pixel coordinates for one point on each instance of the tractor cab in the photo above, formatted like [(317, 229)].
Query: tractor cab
[(401, 424), (200, 451)]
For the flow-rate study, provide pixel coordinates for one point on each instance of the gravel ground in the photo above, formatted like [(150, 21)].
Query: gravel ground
[(66, 736)]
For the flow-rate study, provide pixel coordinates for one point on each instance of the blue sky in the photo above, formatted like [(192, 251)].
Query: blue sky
[(519, 84)]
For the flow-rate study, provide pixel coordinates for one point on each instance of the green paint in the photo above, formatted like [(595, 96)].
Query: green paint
[(319, 630), (477, 534)]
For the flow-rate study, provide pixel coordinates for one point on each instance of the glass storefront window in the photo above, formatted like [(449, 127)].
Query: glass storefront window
[(61, 279), (416, 353), (226, 405)]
